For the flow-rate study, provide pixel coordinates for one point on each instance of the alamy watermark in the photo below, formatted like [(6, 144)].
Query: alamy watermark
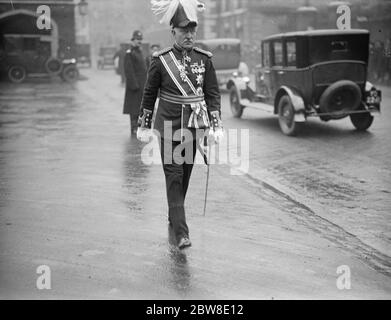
[(44, 18), (233, 150), (44, 281), (344, 278), (344, 21)]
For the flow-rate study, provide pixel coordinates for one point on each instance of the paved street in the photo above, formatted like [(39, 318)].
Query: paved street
[(76, 196)]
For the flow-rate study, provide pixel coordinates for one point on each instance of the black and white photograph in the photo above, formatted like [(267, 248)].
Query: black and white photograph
[(218, 151)]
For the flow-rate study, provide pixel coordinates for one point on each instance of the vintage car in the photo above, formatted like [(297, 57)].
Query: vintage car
[(106, 57), (318, 73), (30, 56)]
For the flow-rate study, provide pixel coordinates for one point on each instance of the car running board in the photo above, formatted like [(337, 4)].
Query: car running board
[(257, 105)]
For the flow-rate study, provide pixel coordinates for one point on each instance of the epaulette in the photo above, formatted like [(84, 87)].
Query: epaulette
[(207, 53), (161, 52)]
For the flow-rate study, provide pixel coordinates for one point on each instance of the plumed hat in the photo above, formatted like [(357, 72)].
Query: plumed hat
[(178, 13)]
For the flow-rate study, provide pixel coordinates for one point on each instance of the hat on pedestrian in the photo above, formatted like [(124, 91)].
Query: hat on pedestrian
[(137, 35), (178, 13)]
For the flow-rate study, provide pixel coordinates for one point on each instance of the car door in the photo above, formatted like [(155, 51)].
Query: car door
[(277, 70), (290, 75), (263, 73)]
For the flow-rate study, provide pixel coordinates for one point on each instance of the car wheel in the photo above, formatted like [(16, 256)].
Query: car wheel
[(361, 121), (286, 117), (236, 108), (70, 74), (53, 66), (17, 74)]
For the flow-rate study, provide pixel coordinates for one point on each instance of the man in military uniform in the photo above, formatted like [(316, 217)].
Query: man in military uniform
[(136, 75), (184, 79)]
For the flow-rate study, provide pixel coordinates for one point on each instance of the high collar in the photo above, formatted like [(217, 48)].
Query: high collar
[(180, 49)]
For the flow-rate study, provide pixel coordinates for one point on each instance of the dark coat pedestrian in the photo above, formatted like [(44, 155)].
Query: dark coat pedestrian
[(136, 76)]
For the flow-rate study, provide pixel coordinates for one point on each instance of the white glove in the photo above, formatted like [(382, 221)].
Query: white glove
[(217, 135), (144, 134)]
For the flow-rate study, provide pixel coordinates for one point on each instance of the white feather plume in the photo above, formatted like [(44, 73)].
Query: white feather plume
[(167, 8)]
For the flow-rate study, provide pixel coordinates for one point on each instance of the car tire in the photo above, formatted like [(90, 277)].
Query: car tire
[(17, 74), (70, 74), (286, 117), (236, 107), (53, 66), (341, 96), (361, 121)]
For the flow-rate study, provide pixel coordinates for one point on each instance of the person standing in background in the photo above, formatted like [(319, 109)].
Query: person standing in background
[(135, 70)]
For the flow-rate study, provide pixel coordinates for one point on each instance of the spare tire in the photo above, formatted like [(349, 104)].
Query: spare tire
[(53, 66), (341, 97)]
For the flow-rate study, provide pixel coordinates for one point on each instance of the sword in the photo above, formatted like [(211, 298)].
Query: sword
[(207, 172)]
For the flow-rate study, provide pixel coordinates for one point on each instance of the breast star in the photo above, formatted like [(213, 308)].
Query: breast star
[(199, 79)]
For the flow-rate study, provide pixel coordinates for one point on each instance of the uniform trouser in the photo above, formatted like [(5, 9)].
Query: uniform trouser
[(177, 181), (133, 122)]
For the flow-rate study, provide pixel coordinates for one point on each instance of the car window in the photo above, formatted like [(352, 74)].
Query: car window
[(29, 44), (278, 60), (13, 44), (266, 54), (291, 53), (339, 46)]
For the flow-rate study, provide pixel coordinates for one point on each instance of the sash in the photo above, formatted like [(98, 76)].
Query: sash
[(199, 116)]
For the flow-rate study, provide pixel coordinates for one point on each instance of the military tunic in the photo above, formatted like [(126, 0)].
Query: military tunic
[(199, 69)]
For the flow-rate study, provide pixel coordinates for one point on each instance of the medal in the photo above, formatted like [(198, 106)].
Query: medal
[(200, 79), (182, 72)]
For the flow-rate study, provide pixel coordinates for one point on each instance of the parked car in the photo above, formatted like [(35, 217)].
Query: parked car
[(106, 57), (22, 57), (226, 56), (319, 73)]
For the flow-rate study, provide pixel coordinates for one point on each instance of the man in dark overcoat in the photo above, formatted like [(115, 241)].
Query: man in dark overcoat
[(136, 76)]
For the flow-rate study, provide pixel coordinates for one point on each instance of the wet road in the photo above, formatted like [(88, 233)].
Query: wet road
[(76, 196)]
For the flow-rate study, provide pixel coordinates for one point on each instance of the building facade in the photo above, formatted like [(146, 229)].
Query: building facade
[(253, 20)]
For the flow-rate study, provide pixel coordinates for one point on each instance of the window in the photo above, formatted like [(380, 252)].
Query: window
[(266, 54), (278, 60), (29, 44), (339, 46), (223, 5), (12, 44), (291, 53)]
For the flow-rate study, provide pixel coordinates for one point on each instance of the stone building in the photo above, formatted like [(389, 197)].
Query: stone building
[(253, 20)]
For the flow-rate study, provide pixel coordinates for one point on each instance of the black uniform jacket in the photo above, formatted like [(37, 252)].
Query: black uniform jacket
[(136, 74), (199, 69)]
